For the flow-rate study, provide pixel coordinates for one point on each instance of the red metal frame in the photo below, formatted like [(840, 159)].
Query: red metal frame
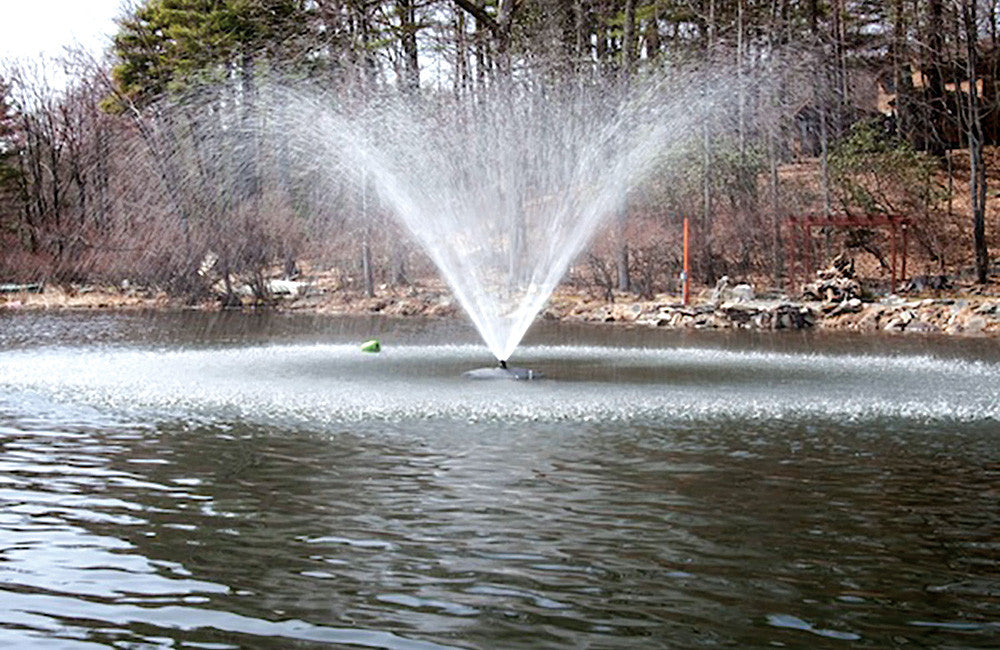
[(799, 240)]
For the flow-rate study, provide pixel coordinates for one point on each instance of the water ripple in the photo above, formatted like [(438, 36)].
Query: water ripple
[(329, 384), (295, 495)]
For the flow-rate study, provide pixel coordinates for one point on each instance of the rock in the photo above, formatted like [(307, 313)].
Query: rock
[(792, 316), (921, 327), (742, 293), (842, 266), (921, 283), (975, 325), (720, 291), (894, 325), (735, 312), (835, 283), (702, 321), (291, 288), (987, 308), (832, 290), (626, 312), (869, 322), (848, 306), (207, 263), (724, 292)]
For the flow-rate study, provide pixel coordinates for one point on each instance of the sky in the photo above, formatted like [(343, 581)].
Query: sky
[(30, 27)]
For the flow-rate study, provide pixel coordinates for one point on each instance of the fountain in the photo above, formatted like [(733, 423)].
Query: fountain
[(504, 192), (502, 189)]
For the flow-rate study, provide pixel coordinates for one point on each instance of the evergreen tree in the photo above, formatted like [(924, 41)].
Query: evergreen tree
[(169, 44)]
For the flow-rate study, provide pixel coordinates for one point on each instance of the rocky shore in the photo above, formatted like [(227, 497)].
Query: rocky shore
[(970, 316), (725, 307)]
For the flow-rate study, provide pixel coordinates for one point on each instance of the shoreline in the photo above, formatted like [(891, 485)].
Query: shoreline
[(956, 314)]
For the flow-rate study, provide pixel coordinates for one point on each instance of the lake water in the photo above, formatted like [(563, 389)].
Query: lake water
[(255, 481)]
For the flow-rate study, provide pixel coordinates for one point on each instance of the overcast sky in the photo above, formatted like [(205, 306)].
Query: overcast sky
[(30, 27)]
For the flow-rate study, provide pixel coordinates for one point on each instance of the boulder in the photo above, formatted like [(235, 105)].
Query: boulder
[(725, 291), (720, 291), (921, 327), (791, 316), (975, 325), (290, 288), (742, 293), (848, 306)]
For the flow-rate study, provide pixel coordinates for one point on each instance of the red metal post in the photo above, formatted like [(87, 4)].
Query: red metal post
[(906, 228), (892, 267), (807, 266), (686, 276)]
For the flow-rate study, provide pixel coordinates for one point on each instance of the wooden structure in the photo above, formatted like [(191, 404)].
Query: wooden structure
[(799, 241)]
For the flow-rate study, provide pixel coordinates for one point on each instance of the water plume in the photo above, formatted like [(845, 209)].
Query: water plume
[(503, 188), (505, 191)]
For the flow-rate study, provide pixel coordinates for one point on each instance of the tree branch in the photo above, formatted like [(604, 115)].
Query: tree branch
[(479, 14)]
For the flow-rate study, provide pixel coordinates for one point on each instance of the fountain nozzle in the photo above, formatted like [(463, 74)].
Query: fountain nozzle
[(502, 371)]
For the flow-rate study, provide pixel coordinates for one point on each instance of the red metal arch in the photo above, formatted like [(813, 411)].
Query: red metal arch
[(799, 240)]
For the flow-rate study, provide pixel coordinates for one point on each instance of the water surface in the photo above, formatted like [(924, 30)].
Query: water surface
[(235, 481)]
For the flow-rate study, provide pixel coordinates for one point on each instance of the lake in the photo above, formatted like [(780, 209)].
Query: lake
[(215, 481)]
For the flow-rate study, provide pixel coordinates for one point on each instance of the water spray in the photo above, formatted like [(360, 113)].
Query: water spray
[(503, 199)]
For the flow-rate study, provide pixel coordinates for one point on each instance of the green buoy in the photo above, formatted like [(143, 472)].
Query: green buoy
[(371, 346)]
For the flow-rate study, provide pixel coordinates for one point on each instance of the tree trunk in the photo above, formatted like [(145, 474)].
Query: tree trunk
[(504, 32), (902, 79), (777, 263), (977, 169), (774, 123), (628, 39), (461, 80), (824, 167), (399, 263), (624, 281), (936, 111), (408, 41), (367, 272), (708, 259), (840, 77), (248, 180)]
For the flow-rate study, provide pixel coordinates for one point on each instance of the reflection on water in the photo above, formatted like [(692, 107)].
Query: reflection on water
[(213, 491)]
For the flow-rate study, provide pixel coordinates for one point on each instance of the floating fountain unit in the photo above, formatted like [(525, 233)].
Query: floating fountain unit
[(502, 371)]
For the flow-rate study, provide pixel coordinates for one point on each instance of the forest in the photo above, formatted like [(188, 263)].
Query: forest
[(148, 165)]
